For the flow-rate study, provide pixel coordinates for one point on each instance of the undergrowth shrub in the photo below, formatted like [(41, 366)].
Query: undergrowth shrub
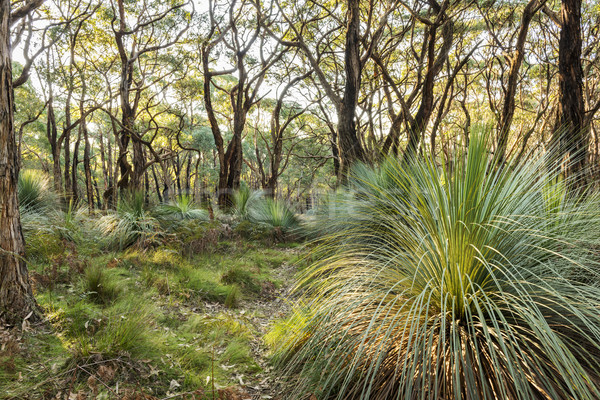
[(123, 331), (181, 209), (243, 200), (203, 238), (260, 217), (274, 214), (454, 283), (34, 192), (131, 224)]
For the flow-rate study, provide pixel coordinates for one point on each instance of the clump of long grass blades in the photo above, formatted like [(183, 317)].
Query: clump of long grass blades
[(131, 223), (452, 284), (183, 208), (273, 213), (34, 192), (37, 205), (243, 201)]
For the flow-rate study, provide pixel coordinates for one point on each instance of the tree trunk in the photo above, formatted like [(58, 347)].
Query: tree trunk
[(16, 296), (514, 61), (177, 168), (188, 176), (74, 167), (86, 165), (52, 134), (160, 199), (571, 135), (67, 142), (105, 172), (434, 66), (351, 149)]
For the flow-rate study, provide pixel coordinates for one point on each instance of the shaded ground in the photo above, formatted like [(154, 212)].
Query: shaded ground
[(153, 324)]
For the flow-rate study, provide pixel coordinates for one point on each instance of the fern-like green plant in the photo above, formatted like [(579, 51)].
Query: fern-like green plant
[(459, 283)]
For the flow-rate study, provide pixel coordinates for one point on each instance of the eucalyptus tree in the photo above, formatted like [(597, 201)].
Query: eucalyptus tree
[(276, 137), (59, 74), (324, 32), (414, 61), (512, 43), (238, 31), (16, 297), (143, 32)]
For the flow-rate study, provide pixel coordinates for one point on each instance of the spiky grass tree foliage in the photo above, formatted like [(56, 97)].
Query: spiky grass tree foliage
[(131, 223), (34, 193), (243, 200), (183, 208), (452, 284), (273, 213), (38, 206)]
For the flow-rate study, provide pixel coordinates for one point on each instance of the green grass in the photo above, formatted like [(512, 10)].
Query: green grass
[(100, 285), (152, 315)]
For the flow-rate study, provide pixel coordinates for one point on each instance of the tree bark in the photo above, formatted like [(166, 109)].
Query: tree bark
[(350, 146), (571, 135), (87, 168), (74, 167), (16, 296), (52, 134)]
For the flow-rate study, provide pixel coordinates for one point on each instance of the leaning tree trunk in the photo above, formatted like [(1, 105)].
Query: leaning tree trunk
[(515, 60), (16, 297), (571, 135)]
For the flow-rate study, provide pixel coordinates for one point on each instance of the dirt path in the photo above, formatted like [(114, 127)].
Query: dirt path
[(264, 385)]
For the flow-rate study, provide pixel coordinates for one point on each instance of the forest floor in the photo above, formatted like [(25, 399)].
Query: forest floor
[(162, 323)]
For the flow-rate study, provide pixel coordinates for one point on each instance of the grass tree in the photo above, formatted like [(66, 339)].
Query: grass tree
[(475, 282)]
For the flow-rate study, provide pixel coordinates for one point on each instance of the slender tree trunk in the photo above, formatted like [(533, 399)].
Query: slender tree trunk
[(86, 165), (147, 187), (74, 182), (514, 61), (99, 199), (139, 162), (188, 176), (160, 199), (177, 168), (67, 171), (125, 168), (434, 66), (105, 170), (16, 296), (168, 187), (55, 146)]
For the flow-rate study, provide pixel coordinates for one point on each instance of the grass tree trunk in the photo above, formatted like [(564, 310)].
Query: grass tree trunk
[(572, 136), (16, 297)]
